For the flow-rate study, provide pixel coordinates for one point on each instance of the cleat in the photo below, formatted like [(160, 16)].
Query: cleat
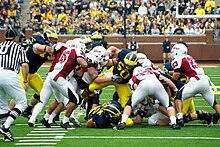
[(30, 124), (66, 125), (208, 118), (215, 118), (45, 123), (7, 133), (6, 139), (53, 124), (75, 122), (120, 126), (175, 126), (180, 122), (26, 114)]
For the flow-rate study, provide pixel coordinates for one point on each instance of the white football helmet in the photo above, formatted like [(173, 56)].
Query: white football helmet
[(141, 58), (178, 50), (138, 70), (91, 58), (99, 52), (76, 43)]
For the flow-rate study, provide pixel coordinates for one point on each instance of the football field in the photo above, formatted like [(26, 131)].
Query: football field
[(194, 134)]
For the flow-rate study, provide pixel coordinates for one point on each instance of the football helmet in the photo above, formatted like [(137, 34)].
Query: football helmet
[(130, 60), (88, 42), (112, 112), (96, 36), (141, 58), (91, 58), (178, 50), (99, 52), (50, 36), (76, 43)]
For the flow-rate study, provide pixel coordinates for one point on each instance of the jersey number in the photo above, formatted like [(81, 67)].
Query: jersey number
[(124, 73), (64, 56)]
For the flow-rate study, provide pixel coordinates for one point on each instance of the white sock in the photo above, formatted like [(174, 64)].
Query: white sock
[(52, 116), (173, 119), (179, 115), (124, 118), (8, 122), (65, 119), (37, 109), (46, 116)]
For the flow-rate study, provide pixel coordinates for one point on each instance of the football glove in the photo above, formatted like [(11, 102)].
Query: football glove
[(116, 78)]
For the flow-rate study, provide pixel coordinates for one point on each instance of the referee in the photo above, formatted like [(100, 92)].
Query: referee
[(12, 56)]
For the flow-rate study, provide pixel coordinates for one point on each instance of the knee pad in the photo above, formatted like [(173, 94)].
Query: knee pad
[(179, 95), (72, 97), (37, 97)]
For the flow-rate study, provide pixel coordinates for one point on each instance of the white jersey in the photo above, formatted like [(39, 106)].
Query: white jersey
[(66, 63), (188, 66), (198, 81), (147, 85)]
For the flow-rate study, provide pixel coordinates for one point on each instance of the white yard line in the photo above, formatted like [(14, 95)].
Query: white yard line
[(131, 137)]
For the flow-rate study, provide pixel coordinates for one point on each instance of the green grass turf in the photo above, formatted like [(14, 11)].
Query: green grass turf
[(137, 135)]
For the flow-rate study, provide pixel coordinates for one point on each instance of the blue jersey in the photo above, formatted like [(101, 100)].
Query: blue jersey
[(120, 68), (99, 118), (36, 60)]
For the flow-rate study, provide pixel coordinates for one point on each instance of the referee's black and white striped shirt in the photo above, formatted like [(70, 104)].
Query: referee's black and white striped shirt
[(12, 55)]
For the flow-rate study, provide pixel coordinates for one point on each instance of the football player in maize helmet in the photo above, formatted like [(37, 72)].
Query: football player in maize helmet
[(105, 115), (88, 42), (39, 51), (96, 39), (51, 36)]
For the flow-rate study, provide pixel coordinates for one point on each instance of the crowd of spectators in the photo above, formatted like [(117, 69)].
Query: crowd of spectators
[(106, 16)]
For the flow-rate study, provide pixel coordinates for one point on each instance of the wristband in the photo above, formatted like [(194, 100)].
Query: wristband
[(25, 82)]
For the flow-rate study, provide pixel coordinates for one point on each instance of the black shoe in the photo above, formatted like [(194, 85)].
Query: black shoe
[(215, 118), (6, 139), (208, 118), (31, 124), (7, 133), (53, 124), (26, 114), (66, 125), (175, 126), (180, 122), (45, 123), (75, 122), (120, 126)]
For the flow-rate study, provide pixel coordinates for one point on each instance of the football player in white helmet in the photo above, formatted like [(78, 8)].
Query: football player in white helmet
[(145, 62), (178, 50), (100, 53), (145, 83), (76, 43), (198, 82)]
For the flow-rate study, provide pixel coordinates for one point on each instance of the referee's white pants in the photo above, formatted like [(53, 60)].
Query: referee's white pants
[(10, 85)]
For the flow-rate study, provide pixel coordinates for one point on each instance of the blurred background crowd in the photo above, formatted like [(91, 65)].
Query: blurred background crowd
[(154, 17)]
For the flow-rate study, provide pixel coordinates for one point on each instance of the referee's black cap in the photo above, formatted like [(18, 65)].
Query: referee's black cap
[(10, 34)]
